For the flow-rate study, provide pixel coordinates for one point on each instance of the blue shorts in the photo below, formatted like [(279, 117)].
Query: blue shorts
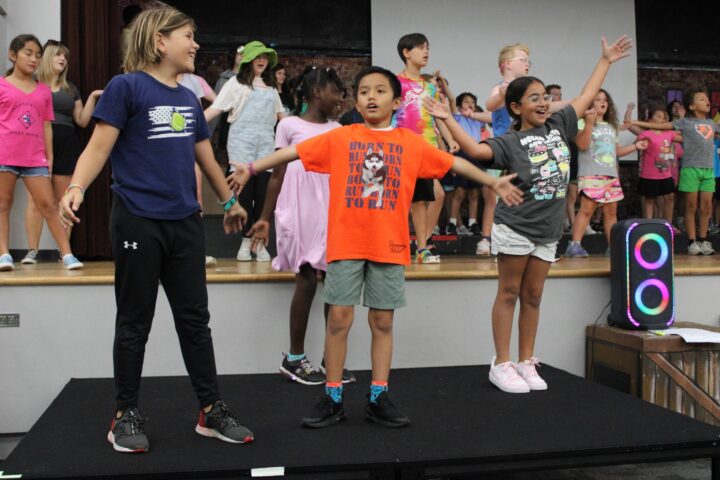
[(26, 171)]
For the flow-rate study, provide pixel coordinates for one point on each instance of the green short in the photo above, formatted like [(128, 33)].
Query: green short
[(696, 179), (384, 284)]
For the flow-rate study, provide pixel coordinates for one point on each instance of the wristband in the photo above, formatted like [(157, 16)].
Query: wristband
[(251, 169), (75, 185), (228, 205)]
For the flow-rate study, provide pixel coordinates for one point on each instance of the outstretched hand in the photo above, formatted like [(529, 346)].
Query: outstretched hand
[(437, 109), (618, 50), (642, 144), (234, 219), (237, 180), (509, 193)]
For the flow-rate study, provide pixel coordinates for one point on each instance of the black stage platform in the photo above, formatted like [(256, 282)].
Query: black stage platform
[(461, 425)]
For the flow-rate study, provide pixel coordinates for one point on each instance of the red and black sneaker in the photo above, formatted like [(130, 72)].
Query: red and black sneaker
[(127, 434), (220, 423)]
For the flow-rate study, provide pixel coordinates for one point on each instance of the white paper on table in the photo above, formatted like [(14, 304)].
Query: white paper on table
[(694, 335)]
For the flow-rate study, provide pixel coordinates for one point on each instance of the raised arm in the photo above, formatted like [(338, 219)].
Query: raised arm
[(83, 113), (497, 98), (584, 137), (627, 120), (652, 125), (610, 54), (478, 151), (88, 167), (445, 88), (502, 186), (638, 146), (244, 171), (485, 117)]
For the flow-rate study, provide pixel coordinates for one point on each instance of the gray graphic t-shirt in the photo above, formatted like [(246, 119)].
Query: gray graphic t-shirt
[(601, 156), (541, 158), (698, 141)]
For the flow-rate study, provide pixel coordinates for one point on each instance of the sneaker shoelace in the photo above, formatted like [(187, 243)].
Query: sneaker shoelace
[(227, 419), (509, 370), (307, 367), (132, 423), (528, 366)]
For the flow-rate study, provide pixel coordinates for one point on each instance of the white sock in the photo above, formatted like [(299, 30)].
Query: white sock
[(453, 221), (471, 222)]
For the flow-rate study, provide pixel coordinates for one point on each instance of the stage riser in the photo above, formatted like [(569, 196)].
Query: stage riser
[(67, 331)]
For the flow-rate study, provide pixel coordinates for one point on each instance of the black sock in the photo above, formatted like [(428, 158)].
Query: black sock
[(701, 239)]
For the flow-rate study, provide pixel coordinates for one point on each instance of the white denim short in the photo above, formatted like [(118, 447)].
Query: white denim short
[(505, 240)]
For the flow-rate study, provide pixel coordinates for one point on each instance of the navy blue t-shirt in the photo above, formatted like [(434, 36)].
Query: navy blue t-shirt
[(153, 159)]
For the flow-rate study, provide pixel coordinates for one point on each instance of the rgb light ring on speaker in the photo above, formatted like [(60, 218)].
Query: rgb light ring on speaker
[(663, 251), (627, 274), (652, 282)]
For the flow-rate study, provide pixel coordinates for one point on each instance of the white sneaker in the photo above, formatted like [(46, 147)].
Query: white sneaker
[(262, 254), (463, 230), (694, 248), (528, 373), (243, 254), (6, 263), (483, 248), (436, 231), (210, 261), (30, 257), (589, 231), (506, 378), (706, 248)]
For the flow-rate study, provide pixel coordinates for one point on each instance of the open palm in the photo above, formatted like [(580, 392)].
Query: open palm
[(618, 50)]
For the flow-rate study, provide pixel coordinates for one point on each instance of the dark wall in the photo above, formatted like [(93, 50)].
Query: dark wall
[(319, 25), (678, 33)]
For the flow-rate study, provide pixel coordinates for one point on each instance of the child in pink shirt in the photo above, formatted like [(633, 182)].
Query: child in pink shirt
[(26, 113)]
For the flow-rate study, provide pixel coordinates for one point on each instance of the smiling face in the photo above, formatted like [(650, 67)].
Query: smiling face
[(27, 59), (179, 48), (418, 56), (534, 106), (375, 100), (259, 64)]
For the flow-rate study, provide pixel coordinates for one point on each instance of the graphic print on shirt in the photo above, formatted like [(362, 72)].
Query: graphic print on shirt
[(549, 165), (373, 174), (665, 157), (374, 180), (26, 119), (602, 147), (168, 121), (706, 131)]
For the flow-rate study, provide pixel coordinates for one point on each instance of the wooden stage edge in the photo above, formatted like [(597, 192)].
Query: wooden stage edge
[(453, 267)]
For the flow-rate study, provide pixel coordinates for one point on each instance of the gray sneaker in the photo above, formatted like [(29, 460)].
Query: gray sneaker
[(575, 250), (706, 248), (347, 375), (30, 257), (220, 423), (127, 434), (301, 371)]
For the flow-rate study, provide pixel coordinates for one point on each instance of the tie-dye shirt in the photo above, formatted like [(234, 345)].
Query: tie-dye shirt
[(412, 114)]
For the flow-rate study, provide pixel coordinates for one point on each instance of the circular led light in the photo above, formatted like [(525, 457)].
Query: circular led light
[(653, 282), (663, 251)]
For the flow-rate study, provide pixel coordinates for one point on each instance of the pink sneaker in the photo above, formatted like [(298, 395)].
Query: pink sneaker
[(527, 371), (506, 378)]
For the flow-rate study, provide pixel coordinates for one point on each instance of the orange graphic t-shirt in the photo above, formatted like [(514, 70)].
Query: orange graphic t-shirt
[(372, 179)]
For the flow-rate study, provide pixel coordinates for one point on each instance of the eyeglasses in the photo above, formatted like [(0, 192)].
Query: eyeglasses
[(538, 99), (524, 60)]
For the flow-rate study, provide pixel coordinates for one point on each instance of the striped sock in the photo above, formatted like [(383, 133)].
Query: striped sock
[(376, 388), (335, 391)]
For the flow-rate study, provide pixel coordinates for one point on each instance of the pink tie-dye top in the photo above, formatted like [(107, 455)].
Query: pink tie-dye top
[(412, 114)]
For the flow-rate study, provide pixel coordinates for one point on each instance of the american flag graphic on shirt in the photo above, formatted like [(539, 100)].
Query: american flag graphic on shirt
[(168, 121)]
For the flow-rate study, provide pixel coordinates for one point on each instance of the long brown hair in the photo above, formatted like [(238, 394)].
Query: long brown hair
[(142, 50), (611, 115), (18, 43), (45, 72), (246, 75)]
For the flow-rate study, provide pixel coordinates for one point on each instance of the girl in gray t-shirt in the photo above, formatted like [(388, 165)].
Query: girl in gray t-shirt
[(525, 236)]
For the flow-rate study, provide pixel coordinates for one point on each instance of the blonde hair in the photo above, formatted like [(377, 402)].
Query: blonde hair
[(142, 49), (45, 72), (508, 53)]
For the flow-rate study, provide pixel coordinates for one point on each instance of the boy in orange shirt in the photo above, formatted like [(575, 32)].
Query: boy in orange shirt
[(373, 169)]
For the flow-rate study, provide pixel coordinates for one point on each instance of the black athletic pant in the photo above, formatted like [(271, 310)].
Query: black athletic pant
[(252, 198), (172, 252)]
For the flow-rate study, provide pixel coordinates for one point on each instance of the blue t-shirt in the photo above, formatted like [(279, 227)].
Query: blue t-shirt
[(717, 158), (153, 159), (472, 127), (501, 121)]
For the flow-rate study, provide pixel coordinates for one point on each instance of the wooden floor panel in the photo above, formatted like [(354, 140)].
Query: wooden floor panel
[(232, 271)]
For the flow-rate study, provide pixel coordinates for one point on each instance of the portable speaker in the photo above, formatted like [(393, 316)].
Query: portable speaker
[(642, 275)]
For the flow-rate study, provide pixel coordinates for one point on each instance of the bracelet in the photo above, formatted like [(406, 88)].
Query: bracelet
[(223, 202), (75, 185), (251, 169), (228, 205)]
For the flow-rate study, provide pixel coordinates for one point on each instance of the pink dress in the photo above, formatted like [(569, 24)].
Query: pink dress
[(302, 206)]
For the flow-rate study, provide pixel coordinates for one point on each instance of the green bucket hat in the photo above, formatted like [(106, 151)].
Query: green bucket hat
[(255, 49)]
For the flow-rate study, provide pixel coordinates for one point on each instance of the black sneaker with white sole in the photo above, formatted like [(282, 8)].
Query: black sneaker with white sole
[(324, 413), (347, 375), (302, 371), (127, 434), (220, 423), (384, 412)]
